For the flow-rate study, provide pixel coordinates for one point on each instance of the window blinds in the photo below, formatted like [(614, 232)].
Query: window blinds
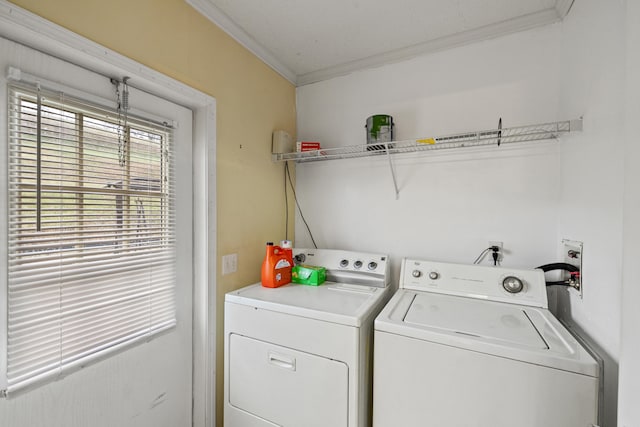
[(91, 233)]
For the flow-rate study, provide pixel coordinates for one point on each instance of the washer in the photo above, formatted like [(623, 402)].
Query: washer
[(468, 345), (299, 355)]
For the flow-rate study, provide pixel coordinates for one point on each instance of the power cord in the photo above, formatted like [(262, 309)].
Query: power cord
[(286, 204), (495, 255), (286, 169)]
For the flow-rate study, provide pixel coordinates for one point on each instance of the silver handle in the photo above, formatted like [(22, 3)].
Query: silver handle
[(282, 361)]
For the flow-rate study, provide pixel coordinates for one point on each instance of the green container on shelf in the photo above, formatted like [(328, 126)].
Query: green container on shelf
[(379, 130)]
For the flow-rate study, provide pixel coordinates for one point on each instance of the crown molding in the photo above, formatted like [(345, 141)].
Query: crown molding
[(510, 26), (222, 20), (522, 23)]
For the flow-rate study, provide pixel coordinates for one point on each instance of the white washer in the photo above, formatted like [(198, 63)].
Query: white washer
[(299, 355), (468, 345)]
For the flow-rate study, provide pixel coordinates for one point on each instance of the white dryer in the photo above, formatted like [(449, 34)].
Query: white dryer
[(299, 355), (475, 346)]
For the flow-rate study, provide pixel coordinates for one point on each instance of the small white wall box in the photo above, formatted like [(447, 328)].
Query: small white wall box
[(281, 142)]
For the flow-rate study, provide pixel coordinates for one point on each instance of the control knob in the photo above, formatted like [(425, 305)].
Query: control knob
[(372, 265), (434, 275), (344, 263), (512, 284), (416, 273), (357, 264)]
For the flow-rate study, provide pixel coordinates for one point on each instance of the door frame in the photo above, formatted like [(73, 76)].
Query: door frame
[(36, 32)]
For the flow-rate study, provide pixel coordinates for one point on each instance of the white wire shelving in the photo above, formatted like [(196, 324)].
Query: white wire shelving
[(495, 137)]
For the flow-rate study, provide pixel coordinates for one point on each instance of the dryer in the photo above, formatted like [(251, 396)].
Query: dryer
[(468, 345), (300, 355)]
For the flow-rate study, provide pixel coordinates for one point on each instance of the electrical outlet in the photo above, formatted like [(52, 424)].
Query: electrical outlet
[(572, 252), (499, 253), (229, 264), (495, 243)]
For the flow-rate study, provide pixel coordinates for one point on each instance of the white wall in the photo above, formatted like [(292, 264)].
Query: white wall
[(590, 209), (629, 410), (149, 384), (530, 197), (450, 204)]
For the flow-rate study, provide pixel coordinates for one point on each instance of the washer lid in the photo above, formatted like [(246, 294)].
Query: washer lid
[(342, 303), (527, 334), (501, 323)]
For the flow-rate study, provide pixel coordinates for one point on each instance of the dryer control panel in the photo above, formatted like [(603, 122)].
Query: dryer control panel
[(359, 268), (515, 286)]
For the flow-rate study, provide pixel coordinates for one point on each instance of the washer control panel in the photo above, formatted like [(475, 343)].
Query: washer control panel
[(517, 286), (513, 284)]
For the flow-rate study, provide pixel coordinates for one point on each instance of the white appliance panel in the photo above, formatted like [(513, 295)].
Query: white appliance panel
[(357, 268), (474, 281), (335, 302), (502, 323), (285, 386), (241, 418), (419, 383), (563, 351), (298, 355), (471, 346)]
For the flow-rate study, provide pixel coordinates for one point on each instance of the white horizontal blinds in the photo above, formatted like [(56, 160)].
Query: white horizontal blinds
[(91, 233)]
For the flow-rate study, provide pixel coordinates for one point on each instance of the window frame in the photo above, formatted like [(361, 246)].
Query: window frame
[(40, 34), (97, 354)]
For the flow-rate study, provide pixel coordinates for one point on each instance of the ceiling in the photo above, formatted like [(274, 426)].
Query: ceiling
[(312, 40)]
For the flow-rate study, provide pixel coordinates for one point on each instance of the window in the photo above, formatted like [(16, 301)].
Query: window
[(91, 233)]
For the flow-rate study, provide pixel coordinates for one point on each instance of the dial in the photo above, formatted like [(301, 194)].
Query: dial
[(300, 258), (372, 265), (357, 264), (416, 273), (344, 263), (434, 275), (512, 284)]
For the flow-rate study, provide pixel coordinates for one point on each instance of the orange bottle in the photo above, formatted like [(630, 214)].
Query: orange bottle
[(276, 268)]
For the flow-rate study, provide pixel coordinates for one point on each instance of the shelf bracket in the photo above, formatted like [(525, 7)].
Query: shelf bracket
[(393, 171)]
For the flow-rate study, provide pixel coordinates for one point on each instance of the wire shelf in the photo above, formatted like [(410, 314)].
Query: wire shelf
[(539, 132)]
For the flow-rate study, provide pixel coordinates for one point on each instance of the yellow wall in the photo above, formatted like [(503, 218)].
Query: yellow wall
[(252, 101)]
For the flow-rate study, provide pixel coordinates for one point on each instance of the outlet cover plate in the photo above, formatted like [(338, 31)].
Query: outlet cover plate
[(495, 243), (229, 264), (572, 252)]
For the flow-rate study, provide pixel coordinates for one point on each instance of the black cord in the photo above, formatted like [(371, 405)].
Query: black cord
[(286, 204), (559, 266), (572, 269), (561, 283), (496, 255), (295, 197)]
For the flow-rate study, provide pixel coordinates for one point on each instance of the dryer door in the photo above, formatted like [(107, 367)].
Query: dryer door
[(287, 387)]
